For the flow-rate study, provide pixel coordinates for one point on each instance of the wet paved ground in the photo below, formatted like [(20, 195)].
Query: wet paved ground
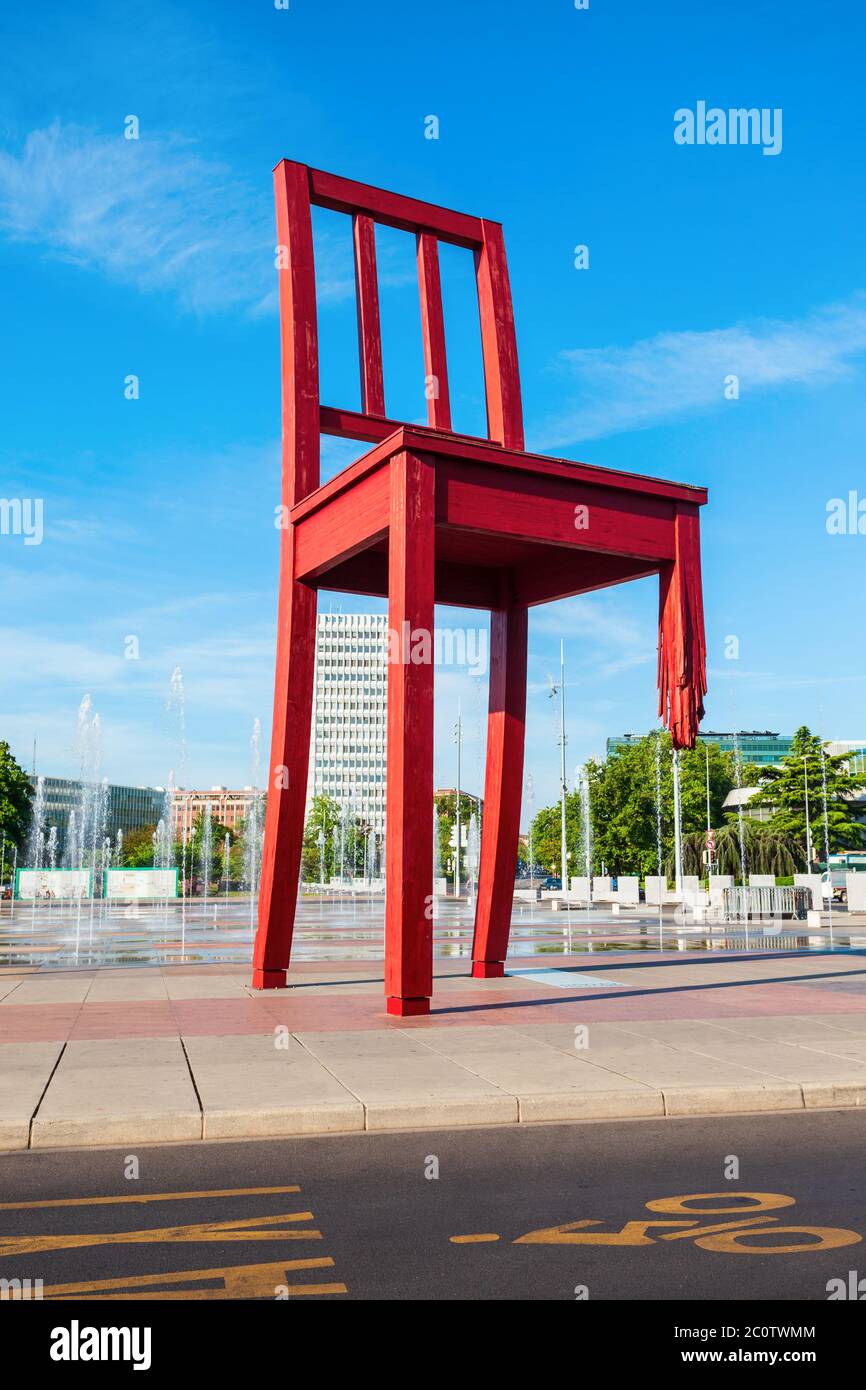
[(86, 935)]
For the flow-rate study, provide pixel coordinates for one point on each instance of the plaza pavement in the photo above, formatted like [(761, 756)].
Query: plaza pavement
[(164, 1053)]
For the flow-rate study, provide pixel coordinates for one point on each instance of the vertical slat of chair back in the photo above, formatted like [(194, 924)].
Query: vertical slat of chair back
[(369, 332), (298, 187), (433, 332), (498, 340)]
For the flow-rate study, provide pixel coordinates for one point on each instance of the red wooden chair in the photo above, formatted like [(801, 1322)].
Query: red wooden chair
[(427, 515)]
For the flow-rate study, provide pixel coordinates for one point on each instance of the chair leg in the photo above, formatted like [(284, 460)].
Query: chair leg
[(409, 859), (503, 787), (287, 785)]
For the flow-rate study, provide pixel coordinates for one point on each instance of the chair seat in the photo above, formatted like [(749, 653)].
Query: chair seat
[(555, 527)]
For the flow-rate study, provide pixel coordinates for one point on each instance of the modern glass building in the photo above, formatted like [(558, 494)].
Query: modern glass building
[(758, 746), (350, 714), (761, 747), (127, 808)]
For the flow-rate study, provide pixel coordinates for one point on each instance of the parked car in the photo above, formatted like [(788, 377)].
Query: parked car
[(551, 882)]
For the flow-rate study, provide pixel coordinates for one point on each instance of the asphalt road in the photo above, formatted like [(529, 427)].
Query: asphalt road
[(364, 1217)]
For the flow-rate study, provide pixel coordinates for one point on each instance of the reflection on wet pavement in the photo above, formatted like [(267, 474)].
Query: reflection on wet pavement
[(63, 934)]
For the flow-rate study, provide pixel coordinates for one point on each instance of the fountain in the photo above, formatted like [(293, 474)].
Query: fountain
[(227, 849), (826, 819), (472, 845), (206, 853), (586, 827), (254, 827), (439, 885), (36, 837), (659, 854)]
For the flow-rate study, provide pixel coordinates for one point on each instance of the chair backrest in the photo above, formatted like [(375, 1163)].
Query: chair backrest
[(297, 189)]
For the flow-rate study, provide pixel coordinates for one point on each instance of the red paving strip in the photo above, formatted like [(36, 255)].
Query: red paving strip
[(140, 1018), (37, 1022), (304, 1009)]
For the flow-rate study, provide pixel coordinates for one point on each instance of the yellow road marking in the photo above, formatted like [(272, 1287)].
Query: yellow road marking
[(698, 1230), (244, 1229), (828, 1238), (240, 1281), (729, 1237), (764, 1201), (147, 1197), (575, 1233)]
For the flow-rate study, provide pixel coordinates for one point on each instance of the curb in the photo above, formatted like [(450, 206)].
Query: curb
[(172, 1126)]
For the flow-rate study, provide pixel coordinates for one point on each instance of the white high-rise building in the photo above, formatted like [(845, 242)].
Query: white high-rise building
[(350, 709)]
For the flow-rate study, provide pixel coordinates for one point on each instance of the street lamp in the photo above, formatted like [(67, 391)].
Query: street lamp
[(458, 739), (709, 819), (560, 691)]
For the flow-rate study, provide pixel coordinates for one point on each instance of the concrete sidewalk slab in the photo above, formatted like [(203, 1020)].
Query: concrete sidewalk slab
[(248, 1087), (49, 989), (25, 1069), (115, 987), (405, 1085), (689, 1082), (119, 1091), (548, 1084), (786, 1061)]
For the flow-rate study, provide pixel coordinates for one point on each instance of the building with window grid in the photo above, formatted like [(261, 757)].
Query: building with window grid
[(350, 710), (127, 808)]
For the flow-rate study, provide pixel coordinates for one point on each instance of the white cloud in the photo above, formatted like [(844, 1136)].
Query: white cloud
[(154, 214), (610, 638), (662, 378), (149, 212)]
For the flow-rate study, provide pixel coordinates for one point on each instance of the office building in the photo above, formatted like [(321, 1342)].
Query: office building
[(348, 737)]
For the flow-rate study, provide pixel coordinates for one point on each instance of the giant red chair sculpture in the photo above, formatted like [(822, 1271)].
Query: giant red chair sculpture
[(429, 516)]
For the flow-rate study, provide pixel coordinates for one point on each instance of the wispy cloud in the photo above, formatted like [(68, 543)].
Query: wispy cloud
[(154, 214), (611, 639), (660, 379), (150, 213)]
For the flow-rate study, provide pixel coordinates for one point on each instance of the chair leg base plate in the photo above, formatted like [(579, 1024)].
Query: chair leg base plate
[(407, 1008), (269, 979), (488, 969)]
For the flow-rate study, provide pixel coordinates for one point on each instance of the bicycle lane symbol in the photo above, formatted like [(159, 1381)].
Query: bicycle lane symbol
[(727, 1237)]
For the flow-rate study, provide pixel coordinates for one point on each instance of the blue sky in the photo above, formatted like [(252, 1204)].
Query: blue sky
[(155, 257)]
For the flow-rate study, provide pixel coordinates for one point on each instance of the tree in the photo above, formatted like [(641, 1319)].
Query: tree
[(627, 822), (15, 798), (200, 864), (138, 847), (446, 803), (766, 851), (547, 834), (324, 816), (783, 790)]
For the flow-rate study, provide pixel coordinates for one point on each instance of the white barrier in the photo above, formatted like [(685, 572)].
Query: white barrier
[(656, 885), (627, 891), (527, 895), (718, 883), (762, 881), (812, 881), (855, 887), (657, 891)]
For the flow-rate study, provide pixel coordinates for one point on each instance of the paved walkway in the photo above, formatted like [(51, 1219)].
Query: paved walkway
[(153, 1054)]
